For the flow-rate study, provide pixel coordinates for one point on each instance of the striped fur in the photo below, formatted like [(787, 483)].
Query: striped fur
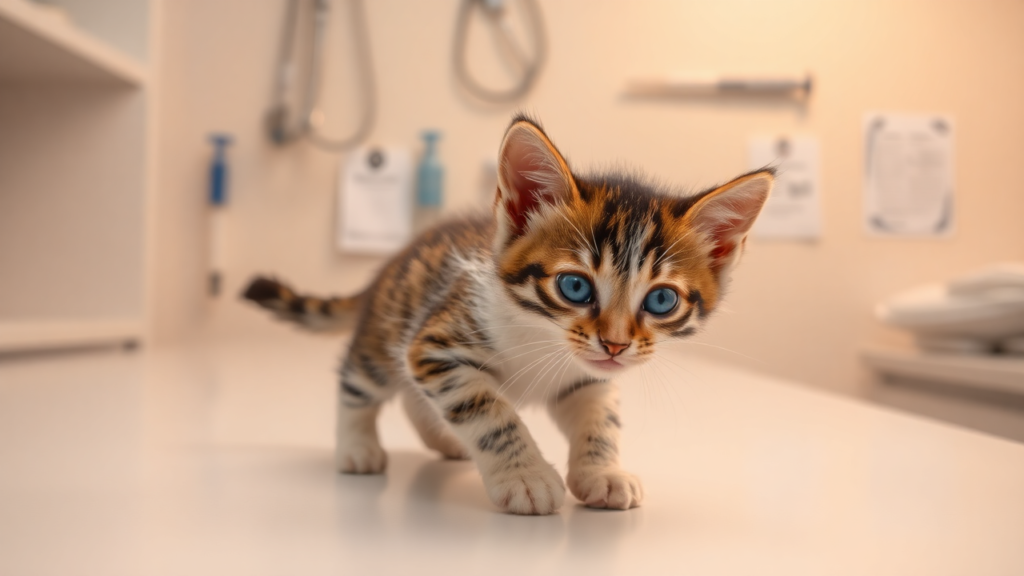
[(467, 323), (317, 314)]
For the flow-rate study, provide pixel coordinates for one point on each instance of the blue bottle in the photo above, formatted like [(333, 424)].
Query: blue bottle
[(429, 183)]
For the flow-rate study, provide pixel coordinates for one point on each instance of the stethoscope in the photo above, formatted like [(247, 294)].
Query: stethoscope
[(285, 126), (527, 63)]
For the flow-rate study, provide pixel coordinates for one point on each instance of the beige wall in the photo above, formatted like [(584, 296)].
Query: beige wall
[(799, 310), (71, 181)]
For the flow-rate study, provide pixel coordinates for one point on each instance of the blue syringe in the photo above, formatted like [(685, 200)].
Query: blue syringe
[(218, 200)]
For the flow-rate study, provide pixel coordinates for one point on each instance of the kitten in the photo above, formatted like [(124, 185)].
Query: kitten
[(573, 280)]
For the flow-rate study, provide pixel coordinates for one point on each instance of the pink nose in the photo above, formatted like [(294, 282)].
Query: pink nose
[(614, 348)]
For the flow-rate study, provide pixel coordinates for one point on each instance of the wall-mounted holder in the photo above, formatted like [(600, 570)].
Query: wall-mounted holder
[(706, 86)]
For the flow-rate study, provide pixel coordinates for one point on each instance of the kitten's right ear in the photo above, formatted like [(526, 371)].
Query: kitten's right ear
[(726, 214), (531, 173)]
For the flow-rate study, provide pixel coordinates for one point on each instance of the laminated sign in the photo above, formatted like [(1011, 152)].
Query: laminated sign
[(375, 201), (793, 211), (908, 175)]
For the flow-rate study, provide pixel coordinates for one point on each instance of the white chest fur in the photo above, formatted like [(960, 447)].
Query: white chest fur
[(532, 358)]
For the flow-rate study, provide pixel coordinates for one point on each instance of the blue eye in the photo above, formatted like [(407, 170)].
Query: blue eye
[(661, 301), (575, 288)]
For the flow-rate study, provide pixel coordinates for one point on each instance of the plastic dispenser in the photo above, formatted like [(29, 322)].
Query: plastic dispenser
[(429, 183)]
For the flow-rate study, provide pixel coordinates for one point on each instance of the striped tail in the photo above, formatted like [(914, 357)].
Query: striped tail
[(316, 314)]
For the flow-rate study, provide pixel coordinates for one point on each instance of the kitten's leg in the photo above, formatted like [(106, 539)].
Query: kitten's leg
[(431, 427), (587, 413), (358, 449), (517, 477)]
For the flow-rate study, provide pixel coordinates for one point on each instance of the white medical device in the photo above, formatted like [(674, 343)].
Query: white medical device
[(977, 313)]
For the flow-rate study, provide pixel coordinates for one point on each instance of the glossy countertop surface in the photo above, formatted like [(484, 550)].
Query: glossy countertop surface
[(215, 458)]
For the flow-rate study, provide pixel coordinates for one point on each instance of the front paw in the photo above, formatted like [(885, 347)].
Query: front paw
[(449, 447), (534, 489), (360, 456), (606, 487)]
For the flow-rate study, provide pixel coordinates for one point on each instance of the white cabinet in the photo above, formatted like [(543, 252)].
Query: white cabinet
[(76, 171)]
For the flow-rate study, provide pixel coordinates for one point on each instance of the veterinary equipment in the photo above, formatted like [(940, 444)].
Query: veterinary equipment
[(284, 124), (528, 67), (698, 84), (973, 314), (218, 199)]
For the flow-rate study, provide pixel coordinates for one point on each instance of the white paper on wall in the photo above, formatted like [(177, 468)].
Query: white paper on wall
[(793, 210), (375, 201), (908, 175)]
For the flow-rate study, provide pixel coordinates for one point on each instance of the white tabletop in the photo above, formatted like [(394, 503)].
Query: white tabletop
[(216, 459)]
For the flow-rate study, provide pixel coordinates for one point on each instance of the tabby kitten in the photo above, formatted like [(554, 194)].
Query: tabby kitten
[(573, 280)]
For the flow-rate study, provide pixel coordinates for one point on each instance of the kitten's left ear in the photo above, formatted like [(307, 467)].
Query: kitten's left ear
[(726, 214), (531, 173)]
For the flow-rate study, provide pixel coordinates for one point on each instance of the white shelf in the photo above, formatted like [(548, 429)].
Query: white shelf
[(36, 46), (25, 336), (1004, 373)]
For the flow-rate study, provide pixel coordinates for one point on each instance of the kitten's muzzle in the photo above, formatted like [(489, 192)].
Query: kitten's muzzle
[(614, 348), (608, 364)]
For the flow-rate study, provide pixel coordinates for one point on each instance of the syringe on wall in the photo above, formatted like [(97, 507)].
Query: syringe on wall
[(218, 202)]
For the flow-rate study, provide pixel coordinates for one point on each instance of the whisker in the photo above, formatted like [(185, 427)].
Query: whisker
[(658, 388), (583, 238), (645, 387), (647, 398), (558, 378), (509, 381), (540, 376), (694, 343), (538, 350), (536, 381), (668, 389), (683, 368), (666, 251), (507, 326), (541, 343)]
